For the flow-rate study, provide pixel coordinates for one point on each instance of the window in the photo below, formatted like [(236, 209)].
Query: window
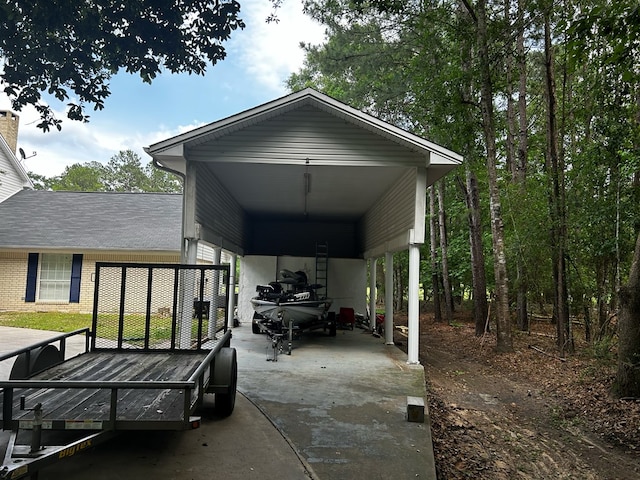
[(55, 277)]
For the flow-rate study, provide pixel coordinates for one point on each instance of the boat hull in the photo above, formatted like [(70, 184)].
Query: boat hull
[(300, 313)]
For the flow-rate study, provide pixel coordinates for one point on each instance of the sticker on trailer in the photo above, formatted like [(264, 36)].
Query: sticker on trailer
[(73, 449), (28, 424), (18, 472), (82, 425)]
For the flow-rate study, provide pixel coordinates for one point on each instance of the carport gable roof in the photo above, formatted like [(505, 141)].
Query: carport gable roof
[(302, 167), (175, 147), (37, 219)]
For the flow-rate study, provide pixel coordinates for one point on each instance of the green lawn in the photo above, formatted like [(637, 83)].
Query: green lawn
[(134, 328), (53, 321)]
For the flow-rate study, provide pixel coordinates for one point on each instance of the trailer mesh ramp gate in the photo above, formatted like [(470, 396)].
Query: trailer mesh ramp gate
[(159, 341)]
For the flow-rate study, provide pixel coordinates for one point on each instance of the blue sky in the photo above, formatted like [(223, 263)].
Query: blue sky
[(259, 59)]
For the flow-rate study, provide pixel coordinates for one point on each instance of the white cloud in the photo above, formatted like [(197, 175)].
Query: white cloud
[(271, 51)]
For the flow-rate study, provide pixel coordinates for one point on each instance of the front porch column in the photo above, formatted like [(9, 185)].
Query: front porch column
[(414, 305), (373, 262), (388, 298)]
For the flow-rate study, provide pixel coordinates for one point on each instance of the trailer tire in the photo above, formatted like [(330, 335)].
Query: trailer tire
[(332, 329), (225, 372), (255, 328)]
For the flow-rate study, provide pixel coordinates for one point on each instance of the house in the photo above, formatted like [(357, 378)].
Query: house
[(51, 241), (13, 177)]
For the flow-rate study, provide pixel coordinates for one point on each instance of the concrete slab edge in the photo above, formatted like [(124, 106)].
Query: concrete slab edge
[(309, 470)]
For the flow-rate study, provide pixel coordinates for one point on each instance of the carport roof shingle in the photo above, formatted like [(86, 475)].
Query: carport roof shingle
[(38, 219)]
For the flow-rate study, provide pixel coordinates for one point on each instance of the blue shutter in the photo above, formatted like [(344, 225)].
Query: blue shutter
[(76, 271), (32, 278)]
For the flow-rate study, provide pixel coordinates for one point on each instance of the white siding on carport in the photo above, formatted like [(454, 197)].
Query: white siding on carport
[(220, 217), (393, 222), (323, 138)]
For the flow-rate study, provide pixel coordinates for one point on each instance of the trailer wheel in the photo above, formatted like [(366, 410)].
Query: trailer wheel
[(332, 329), (255, 328), (225, 372)]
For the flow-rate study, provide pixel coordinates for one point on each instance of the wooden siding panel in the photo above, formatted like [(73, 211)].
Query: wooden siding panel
[(306, 132), (217, 209), (392, 215)]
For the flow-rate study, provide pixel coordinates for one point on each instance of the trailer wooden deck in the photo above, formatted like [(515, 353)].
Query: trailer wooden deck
[(150, 390)]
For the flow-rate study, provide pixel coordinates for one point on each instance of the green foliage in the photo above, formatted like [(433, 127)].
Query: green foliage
[(71, 48), (123, 173), (415, 64), (88, 177)]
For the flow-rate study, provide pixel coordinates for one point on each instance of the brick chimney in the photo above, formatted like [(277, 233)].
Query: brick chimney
[(9, 128)]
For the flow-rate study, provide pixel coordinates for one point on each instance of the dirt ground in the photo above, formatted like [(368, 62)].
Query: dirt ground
[(527, 414)]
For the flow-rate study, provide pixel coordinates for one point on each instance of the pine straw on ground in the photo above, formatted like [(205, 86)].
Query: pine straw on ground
[(526, 414)]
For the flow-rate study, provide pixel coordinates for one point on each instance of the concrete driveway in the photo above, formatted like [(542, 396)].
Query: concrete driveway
[(334, 409)]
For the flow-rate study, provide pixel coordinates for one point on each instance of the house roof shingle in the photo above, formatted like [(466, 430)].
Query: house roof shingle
[(91, 221)]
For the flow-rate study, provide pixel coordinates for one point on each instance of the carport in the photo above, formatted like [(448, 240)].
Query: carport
[(275, 180)]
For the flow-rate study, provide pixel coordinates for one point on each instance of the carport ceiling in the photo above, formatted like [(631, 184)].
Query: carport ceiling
[(332, 193)]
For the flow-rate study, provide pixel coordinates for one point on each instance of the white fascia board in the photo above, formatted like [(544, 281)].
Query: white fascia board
[(171, 158)]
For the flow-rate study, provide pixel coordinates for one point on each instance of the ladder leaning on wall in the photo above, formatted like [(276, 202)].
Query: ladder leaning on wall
[(322, 265)]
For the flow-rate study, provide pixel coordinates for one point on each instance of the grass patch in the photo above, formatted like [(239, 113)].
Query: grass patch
[(53, 321), (133, 332)]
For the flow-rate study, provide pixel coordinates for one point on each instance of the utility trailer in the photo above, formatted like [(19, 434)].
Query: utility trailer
[(151, 355)]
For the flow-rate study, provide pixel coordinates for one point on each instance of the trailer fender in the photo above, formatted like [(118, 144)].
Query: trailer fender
[(35, 361), (224, 381)]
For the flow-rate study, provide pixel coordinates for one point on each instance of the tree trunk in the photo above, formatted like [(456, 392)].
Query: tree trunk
[(503, 319), (435, 282), (398, 290), (557, 201), (520, 172), (446, 284), (628, 376), (472, 201), (478, 274)]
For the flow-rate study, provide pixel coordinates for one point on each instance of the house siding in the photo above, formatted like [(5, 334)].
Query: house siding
[(10, 181), (13, 278)]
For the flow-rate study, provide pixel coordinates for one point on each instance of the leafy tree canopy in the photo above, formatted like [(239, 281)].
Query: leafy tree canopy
[(71, 48), (123, 173)]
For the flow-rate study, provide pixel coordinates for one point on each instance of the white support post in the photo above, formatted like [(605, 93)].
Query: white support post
[(215, 291), (232, 289), (372, 293), (414, 305), (189, 255), (187, 294), (388, 298)]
